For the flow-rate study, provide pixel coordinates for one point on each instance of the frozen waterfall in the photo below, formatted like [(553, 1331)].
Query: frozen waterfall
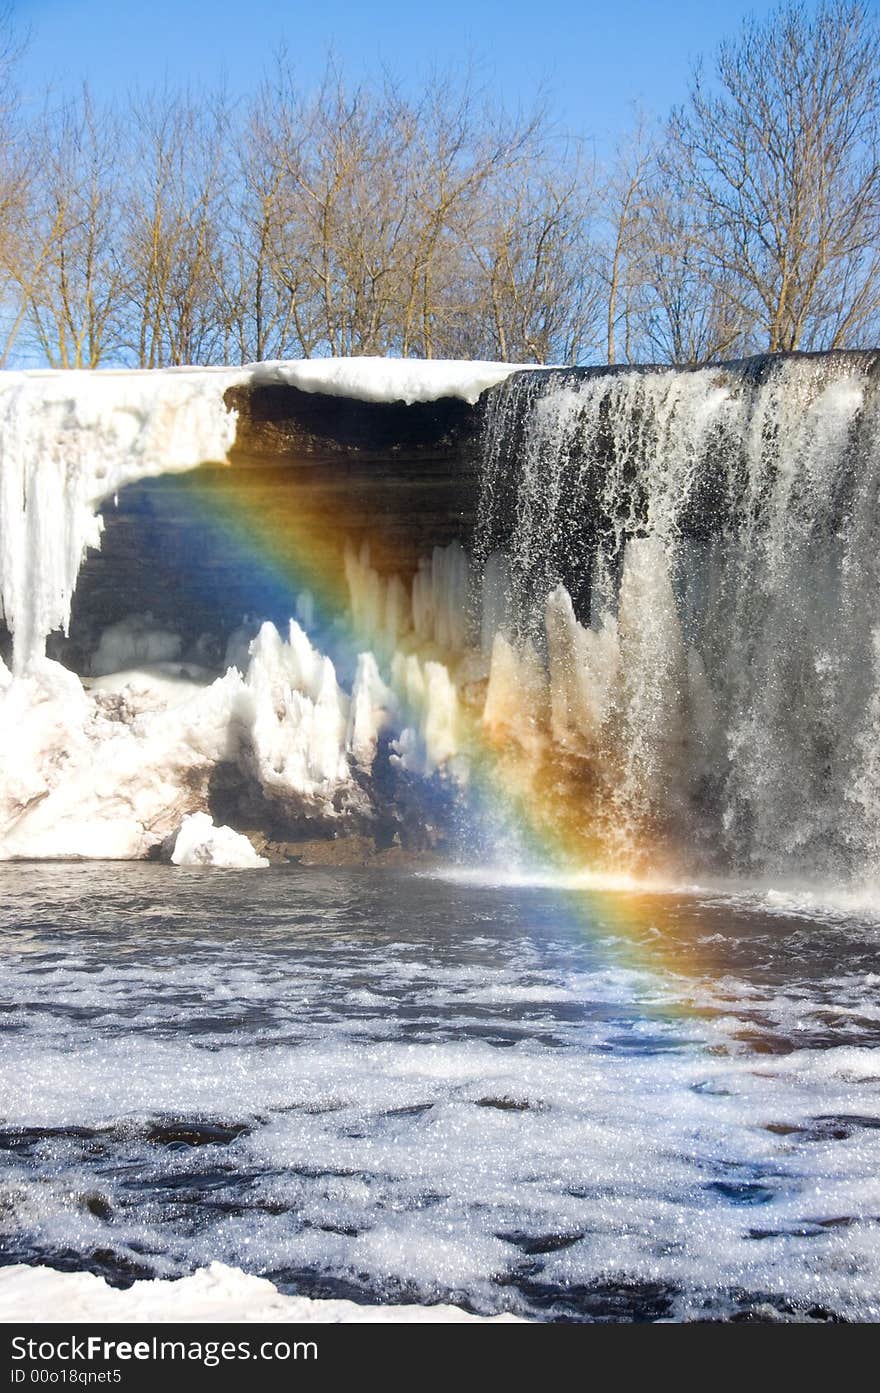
[(658, 645)]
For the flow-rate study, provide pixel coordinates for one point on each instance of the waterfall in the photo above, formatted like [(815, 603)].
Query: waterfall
[(694, 555), (657, 648)]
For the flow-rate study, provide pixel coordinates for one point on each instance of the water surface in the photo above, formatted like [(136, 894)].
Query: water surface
[(398, 1087)]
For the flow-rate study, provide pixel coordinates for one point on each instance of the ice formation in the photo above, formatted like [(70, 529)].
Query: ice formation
[(216, 1293), (110, 771), (200, 843), (300, 714), (69, 440)]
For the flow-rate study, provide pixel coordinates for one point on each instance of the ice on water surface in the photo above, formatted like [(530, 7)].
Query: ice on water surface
[(200, 843), (381, 1087)]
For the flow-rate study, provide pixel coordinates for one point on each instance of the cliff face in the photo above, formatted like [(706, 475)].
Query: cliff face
[(403, 478), (200, 551)]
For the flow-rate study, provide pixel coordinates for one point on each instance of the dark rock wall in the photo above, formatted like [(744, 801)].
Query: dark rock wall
[(308, 475), (403, 477)]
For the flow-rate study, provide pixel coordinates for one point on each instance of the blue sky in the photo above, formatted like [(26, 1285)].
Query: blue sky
[(595, 57)]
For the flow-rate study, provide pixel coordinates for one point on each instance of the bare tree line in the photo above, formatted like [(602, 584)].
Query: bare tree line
[(186, 227)]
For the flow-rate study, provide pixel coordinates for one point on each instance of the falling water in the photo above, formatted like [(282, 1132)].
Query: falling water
[(716, 669)]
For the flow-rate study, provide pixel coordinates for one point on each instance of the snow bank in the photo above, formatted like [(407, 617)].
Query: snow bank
[(387, 379), (213, 1294), (106, 774), (200, 843), (154, 686), (109, 773)]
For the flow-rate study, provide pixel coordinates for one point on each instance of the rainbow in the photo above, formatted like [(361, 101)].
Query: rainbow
[(299, 547)]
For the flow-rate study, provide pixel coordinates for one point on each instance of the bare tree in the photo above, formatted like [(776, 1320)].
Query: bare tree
[(70, 280), (783, 156), (368, 223), (17, 170), (461, 148), (538, 292), (172, 229), (626, 201), (266, 282), (687, 310), (365, 220)]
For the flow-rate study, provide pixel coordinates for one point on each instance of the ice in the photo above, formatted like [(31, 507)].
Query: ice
[(69, 440), (431, 614), (112, 771), (583, 670), (216, 1293), (200, 843), (441, 599), (300, 717), (432, 738), (372, 709), (134, 643), (517, 697)]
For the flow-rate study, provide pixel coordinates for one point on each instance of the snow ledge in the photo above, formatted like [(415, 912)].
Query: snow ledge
[(216, 1293)]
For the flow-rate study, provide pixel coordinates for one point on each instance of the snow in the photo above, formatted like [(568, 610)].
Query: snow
[(388, 379), (154, 686), (200, 843), (111, 771), (215, 1293), (106, 774)]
